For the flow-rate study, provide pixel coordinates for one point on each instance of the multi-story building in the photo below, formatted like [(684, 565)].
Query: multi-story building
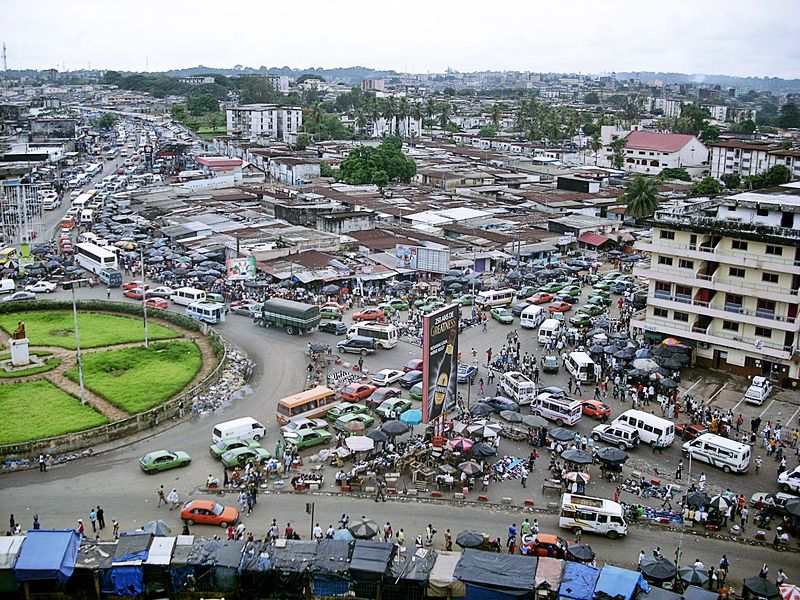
[(724, 277), (197, 79), (648, 153), (751, 158), (264, 120)]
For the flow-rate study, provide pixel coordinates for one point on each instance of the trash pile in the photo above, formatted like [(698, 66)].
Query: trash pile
[(235, 374)]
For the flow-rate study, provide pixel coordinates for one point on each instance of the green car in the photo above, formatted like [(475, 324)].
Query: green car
[(398, 405), (603, 286), (593, 310), (219, 298), (465, 300), (341, 423), (428, 308), (307, 438), (581, 320), (549, 364), (163, 460), (526, 292), (387, 308), (599, 300), (342, 409), (501, 315), (592, 279), (243, 456), (330, 312), (223, 446), (398, 304), (426, 300), (572, 290), (552, 287), (416, 391)]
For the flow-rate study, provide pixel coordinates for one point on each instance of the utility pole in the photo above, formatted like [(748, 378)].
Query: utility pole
[(310, 511), (71, 287), (144, 295)]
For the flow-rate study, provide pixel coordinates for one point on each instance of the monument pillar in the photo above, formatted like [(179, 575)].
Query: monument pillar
[(20, 356)]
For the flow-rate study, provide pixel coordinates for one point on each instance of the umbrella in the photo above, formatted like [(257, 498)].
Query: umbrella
[(534, 421), (412, 416), (461, 444), (364, 530), (692, 576), (354, 426), (470, 467), (789, 592), (697, 499), (761, 587), (376, 435), (578, 476), (670, 362), (469, 539), (597, 348), (670, 341), (611, 455), (581, 552), (637, 373), (483, 450), (318, 347), (359, 443), (643, 353), (719, 503), (683, 359), (480, 410), (157, 528), (618, 335), (668, 384), (645, 364), (483, 430), (579, 457), (330, 289), (511, 416), (343, 534), (659, 570), (627, 354), (394, 427), (560, 434), (792, 507)]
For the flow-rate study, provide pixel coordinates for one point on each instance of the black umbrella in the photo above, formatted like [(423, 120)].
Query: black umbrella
[(470, 468), (719, 503), (511, 416), (330, 289), (534, 421), (668, 384), (625, 354), (597, 348), (469, 539), (581, 552), (364, 530), (481, 410), (378, 436), (659, 570), (455, 287), (579, 457), (394, 427), (761, 587), (611, 454), (697, 499), (683, 359), (692, 575), (560, 434), (670, 362), (483, 450), (317, 347), (637, 373), (594, 332), (611, 349), (793, 508), (618, 335)]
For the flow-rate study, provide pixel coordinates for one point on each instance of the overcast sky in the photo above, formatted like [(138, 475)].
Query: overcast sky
[(733, 37)]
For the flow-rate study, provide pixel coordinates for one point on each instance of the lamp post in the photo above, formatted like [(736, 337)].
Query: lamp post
[(679, 549), (144, 294), (77, 342)]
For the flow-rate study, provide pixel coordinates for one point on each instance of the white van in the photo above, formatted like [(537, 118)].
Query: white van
[(549, 329), (650, 427), (582, 367), (246, 428), (492, 298), (518, 387), (384, 335), (726, 454), (758, 391), (595, 515), (562, 410), (7, 286), (87, 216), (187, 296), (532, 316)]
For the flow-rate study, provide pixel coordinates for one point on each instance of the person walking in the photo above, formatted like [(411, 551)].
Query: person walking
[(36, 524), (679, 471), (101, 518), (93, 520), (380, 492), (524, 477), (448, 541), (42, 463), (115, 529), (173, 498), (161, 498), (81, 530)]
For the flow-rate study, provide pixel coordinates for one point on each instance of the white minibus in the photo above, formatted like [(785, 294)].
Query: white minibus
[(562, 410), (549, 329), (187, 295), (724, 453), (532, 316), (491, 298), (385, 336), (581, 367), (246, 428), (593, 515), (518, 387), (87, 216), (651, 428), (208, 312)]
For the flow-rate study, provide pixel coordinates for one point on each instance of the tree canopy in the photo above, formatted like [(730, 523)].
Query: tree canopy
[(106, 121), (777, 175), (640, 197), (378, 166), (707, 186)]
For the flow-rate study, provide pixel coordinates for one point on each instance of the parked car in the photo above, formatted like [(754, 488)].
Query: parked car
[(341, 424), (559, 307), (789, 481), (225, 445), (517, 309), (567, 298), (341, 409), (163, 292), (302, 423), (397, 304), (19, 297), (540, 298), (543, 544), (41, 287), (501, 315), (136, 283), (386, 377), (689, 431), (357, 345), (416, 391), (410, 378), (356, 391), (369, 314), (466, 372), (307, 438), (552, 287), (158, 303), (415, 364), (331, 303), (581, 320), (549, 363), (163, 460), (596, 409), (464, 300), (396, 405), (334, 327), (593, 310), (382, 394), (499, 403), (387, 308), (208, 512), (239, 457), (525, 292)]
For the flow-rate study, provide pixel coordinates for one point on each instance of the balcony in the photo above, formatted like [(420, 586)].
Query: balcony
[(727, 312)]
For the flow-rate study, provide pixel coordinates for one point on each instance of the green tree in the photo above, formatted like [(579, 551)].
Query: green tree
[(590, 129), (449, 91), (591, 98), (495, 113), (707, 186), (790, 116), (748, 127), (430, 107), (325, 170), (680, 174), (777, 175), (731, 180), (378, 166), (640, 197), (307, 76), (709, 134), (215, 120), (106, 121), (199, 104), (302, 142), (257, 91), (692, 120), (178, 112), (444, 109), (595, 145), (618, 152), (488, 131)]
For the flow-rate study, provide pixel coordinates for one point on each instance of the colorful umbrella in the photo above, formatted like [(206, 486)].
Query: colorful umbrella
[(789, 592), (578, 476), (460, 444), (412, 416), (670, 341)]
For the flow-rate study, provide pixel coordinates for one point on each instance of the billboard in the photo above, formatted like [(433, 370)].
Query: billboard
[(440, 362), (241, 268), (420, 258)]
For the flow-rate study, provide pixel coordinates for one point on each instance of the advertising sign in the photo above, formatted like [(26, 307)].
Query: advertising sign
[(241, 268), (405, 257), (420, 258), (440, 362)]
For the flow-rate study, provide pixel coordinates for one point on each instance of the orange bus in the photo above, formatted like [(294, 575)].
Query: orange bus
[(310, 404)]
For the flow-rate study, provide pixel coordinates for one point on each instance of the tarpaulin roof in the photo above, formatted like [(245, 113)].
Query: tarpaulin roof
[(657, 593), (618, 583), (47, 554), (332, 557), (204, 553), (256, 557), (548, 572), (95, 556), (414, 564), (441, 578), (371, 557), (133, 547), (296, 557), (181, 554), (692, 592), (496, 570), (9, 549), (578, 581), (127, 579), (230, 554), (160, 551)]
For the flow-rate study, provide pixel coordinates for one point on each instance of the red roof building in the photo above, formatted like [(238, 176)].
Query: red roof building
[(592, 240), (649, 153)]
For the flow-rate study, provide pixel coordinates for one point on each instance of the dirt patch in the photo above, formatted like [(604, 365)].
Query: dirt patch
[(62, 332), (118, 372)]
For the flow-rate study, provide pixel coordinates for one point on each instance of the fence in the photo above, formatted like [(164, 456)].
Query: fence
[(177, 407)]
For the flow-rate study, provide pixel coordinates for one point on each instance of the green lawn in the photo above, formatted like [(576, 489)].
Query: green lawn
[(49, 365), (137, 379), (38, 409), (57, 328)]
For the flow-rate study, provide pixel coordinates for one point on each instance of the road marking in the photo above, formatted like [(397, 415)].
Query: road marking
[(771, 402), (693, 386), (792, 417), (715, 394), (735, 406)]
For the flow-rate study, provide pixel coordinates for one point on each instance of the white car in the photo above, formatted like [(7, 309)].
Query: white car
[(18, 296), (386, 377), (46, 287), (162, 292), (758, 391), (789, 481), (300, 423)]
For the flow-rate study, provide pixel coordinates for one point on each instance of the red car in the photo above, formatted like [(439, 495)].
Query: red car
[(135, 284), (540, 298), (333, 304), (380, 395), (415, 364), (559, 306), (135, 293), (159, 303), (596, 409), (369, 314), (208, 512), (357, 391), (687, 431), (543, 544)]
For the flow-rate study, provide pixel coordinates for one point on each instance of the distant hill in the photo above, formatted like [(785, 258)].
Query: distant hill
[(349, 75), (770, 84)]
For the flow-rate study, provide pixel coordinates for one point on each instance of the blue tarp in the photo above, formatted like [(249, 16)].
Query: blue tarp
[(496, 570), (578, 581), (477, 592), (47, 554), (128, 580), (619, 583)]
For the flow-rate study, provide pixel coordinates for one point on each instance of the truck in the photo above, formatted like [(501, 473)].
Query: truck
[(295, 317)]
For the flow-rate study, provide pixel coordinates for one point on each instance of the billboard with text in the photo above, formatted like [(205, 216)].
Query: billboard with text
[(440, 362), (241, 268), (420, 258)]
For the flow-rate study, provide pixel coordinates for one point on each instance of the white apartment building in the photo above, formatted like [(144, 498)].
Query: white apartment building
[(750, 158), (197, 79), (648, 153), (724, 277), (669, 108), (264, 120)]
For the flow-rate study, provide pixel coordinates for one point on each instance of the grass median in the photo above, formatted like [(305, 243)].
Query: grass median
[(137, 379), (38, 409)]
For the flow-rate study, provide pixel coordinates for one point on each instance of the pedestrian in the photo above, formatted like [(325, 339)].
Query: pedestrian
[(679, 471), (758, 464), (743, 514), (81, 529), (764, 572), (161, 498), (42, 463), (12, 524), (640, 561), (701, 483), (578, 535), (93, 520), (108, 293), (430, 531), (524, 476), (512, 536), (115, 529), (287, 463), (448, 541), (724, 566), (380, 491), (781, 578), (173, 498), (401, 538), (36, 524), (101, 518), (316, 533)]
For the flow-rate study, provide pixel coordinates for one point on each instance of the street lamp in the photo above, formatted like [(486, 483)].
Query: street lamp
[(70, 285), (679, 549), (144, 294)]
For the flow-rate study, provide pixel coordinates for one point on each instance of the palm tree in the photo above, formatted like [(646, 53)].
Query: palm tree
[(403, 110), (430, 107), (418, 112), (444, 114), (389, 112), (495, 114), (374, 113), (596, 145), (361, 120), (641, 197)]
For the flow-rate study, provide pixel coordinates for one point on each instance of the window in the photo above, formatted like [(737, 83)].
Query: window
[(683, 290), (665, 260), (762, 212), (736, 272), (739, 244), (734, 299), (663, 289), (730, 326), (686, 264), (660, 312), (775, 250), (764, 332), (666, 234), (770, 277), (680, 316)]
